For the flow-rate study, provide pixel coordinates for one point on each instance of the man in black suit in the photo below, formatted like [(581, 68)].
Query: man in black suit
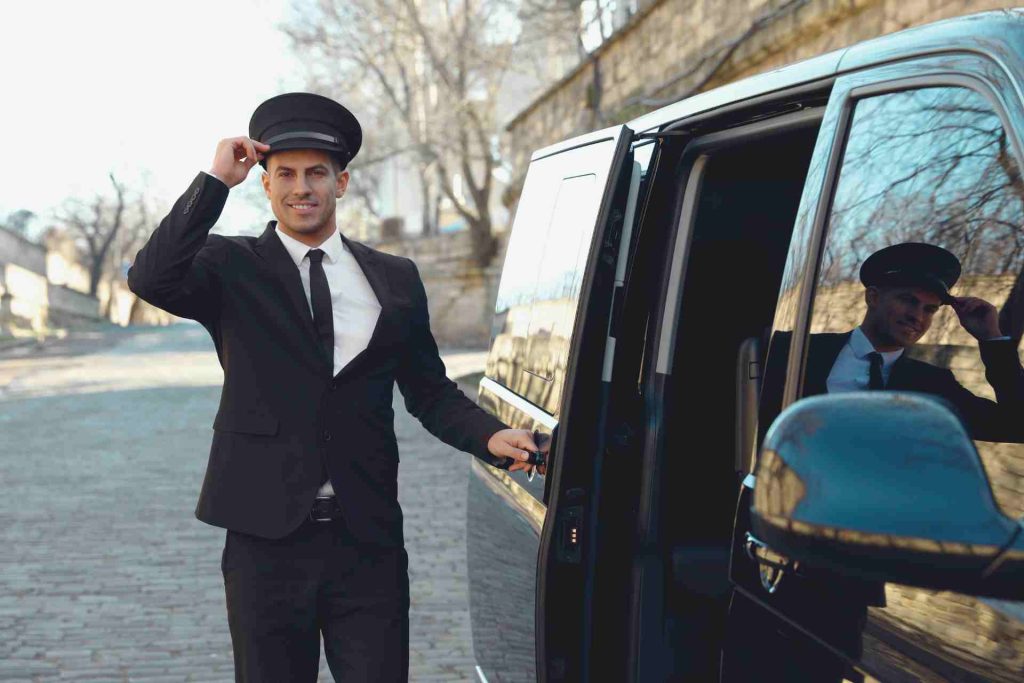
[(313, 331)]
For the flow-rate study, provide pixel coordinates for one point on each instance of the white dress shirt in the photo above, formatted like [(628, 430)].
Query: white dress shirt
[(353, 303), (852, 369)]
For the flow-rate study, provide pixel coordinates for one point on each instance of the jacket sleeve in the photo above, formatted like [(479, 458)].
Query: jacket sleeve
[(998, 420), (177, 269), (431, 397)]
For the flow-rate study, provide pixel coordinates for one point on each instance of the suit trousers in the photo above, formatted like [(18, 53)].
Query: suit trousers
[(282, 594)]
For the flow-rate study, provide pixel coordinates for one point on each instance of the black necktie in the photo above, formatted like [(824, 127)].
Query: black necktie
[(875, 371), (320, 299)]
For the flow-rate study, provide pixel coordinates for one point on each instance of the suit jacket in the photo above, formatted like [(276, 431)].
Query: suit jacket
[(281, 410), (986, 420)]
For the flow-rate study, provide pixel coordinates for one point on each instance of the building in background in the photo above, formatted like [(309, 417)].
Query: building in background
[(670, 49), (44, 290), (40, 290)]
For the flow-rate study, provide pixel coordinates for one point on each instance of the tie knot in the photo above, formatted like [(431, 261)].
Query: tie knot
[(315, 255), (875, 358)]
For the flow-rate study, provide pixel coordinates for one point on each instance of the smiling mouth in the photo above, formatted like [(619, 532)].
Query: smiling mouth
[(302, 206)]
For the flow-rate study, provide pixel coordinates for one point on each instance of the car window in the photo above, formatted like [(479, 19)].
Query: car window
[(535, 309), (560, 275), (545, 263), (932, 166)]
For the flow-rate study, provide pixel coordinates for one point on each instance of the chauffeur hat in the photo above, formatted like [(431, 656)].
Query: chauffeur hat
[(302, 120), (913, 264)]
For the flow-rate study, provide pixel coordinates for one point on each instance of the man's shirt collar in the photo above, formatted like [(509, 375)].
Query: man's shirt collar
[(862, 346), (332, 247)]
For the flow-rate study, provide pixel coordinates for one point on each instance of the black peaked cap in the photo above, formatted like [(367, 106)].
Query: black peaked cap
[(302, 120), (913, 264)]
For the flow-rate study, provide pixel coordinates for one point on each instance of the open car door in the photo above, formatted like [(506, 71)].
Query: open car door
[(550, 327)]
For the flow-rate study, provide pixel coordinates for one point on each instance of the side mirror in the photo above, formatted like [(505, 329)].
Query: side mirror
[(885, 486)]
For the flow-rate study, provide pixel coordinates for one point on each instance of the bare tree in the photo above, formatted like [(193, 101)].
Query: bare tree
[(432, 69), (105, 227)]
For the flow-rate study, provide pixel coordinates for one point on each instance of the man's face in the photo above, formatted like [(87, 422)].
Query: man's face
[(303, 186), (900, 316)]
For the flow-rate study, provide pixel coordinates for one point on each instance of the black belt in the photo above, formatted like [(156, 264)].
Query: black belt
[(325, 509)]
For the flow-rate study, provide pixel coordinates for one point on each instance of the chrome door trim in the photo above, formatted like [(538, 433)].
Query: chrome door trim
[(519, 403)]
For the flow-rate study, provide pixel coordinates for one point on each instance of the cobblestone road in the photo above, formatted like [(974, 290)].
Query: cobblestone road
[(105, 575)]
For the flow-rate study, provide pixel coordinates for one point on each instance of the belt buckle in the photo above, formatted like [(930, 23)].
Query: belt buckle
[(320, 519)]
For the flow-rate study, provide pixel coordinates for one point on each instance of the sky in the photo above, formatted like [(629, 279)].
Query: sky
[(144, 89)]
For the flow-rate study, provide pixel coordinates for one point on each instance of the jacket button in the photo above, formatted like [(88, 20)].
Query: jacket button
[(334, 385), (327, 436)]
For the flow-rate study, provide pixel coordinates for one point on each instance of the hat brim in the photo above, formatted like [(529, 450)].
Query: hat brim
[(305, 143), (926, 281)]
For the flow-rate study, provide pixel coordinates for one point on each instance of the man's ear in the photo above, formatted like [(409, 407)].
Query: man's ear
[(342, 186), (871, 296), (265, 178)]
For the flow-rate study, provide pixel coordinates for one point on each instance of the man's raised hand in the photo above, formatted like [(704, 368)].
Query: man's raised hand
[(977, 316), (234, 157)]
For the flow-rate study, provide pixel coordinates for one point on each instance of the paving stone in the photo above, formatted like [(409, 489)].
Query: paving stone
[(107, 575)]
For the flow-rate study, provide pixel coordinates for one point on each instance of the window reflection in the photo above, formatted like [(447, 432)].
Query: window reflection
[(540, 288), (935, 166)]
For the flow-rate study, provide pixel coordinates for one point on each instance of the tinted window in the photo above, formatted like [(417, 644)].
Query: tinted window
[(540, 286), (559, 277), (933, 165)]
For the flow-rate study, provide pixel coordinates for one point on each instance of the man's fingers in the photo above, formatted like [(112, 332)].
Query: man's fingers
[(509, 451), (969, 307), (250, 152), (525, 441), (261, 146)]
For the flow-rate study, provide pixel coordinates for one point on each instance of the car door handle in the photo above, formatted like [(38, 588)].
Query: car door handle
[(771, 566)]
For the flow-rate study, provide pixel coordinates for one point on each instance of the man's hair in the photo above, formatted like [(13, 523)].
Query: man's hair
[(337, 161)]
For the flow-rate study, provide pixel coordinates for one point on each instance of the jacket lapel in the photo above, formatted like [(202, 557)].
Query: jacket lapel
[(821, 356), (900, 376), (272, 251)]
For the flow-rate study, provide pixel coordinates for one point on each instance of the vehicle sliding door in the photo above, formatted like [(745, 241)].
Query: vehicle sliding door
[(548, 272)]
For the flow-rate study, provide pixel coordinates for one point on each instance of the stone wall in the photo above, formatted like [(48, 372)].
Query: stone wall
[(23, 286), (21, 252), (67, 307), (23, 299), (674, 48), (29, 302), (460, 294)]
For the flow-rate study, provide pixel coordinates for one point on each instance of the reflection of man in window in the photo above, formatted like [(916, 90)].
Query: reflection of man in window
[(905, 286)]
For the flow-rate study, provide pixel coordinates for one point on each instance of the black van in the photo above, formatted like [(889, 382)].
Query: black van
[(667, 282)]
